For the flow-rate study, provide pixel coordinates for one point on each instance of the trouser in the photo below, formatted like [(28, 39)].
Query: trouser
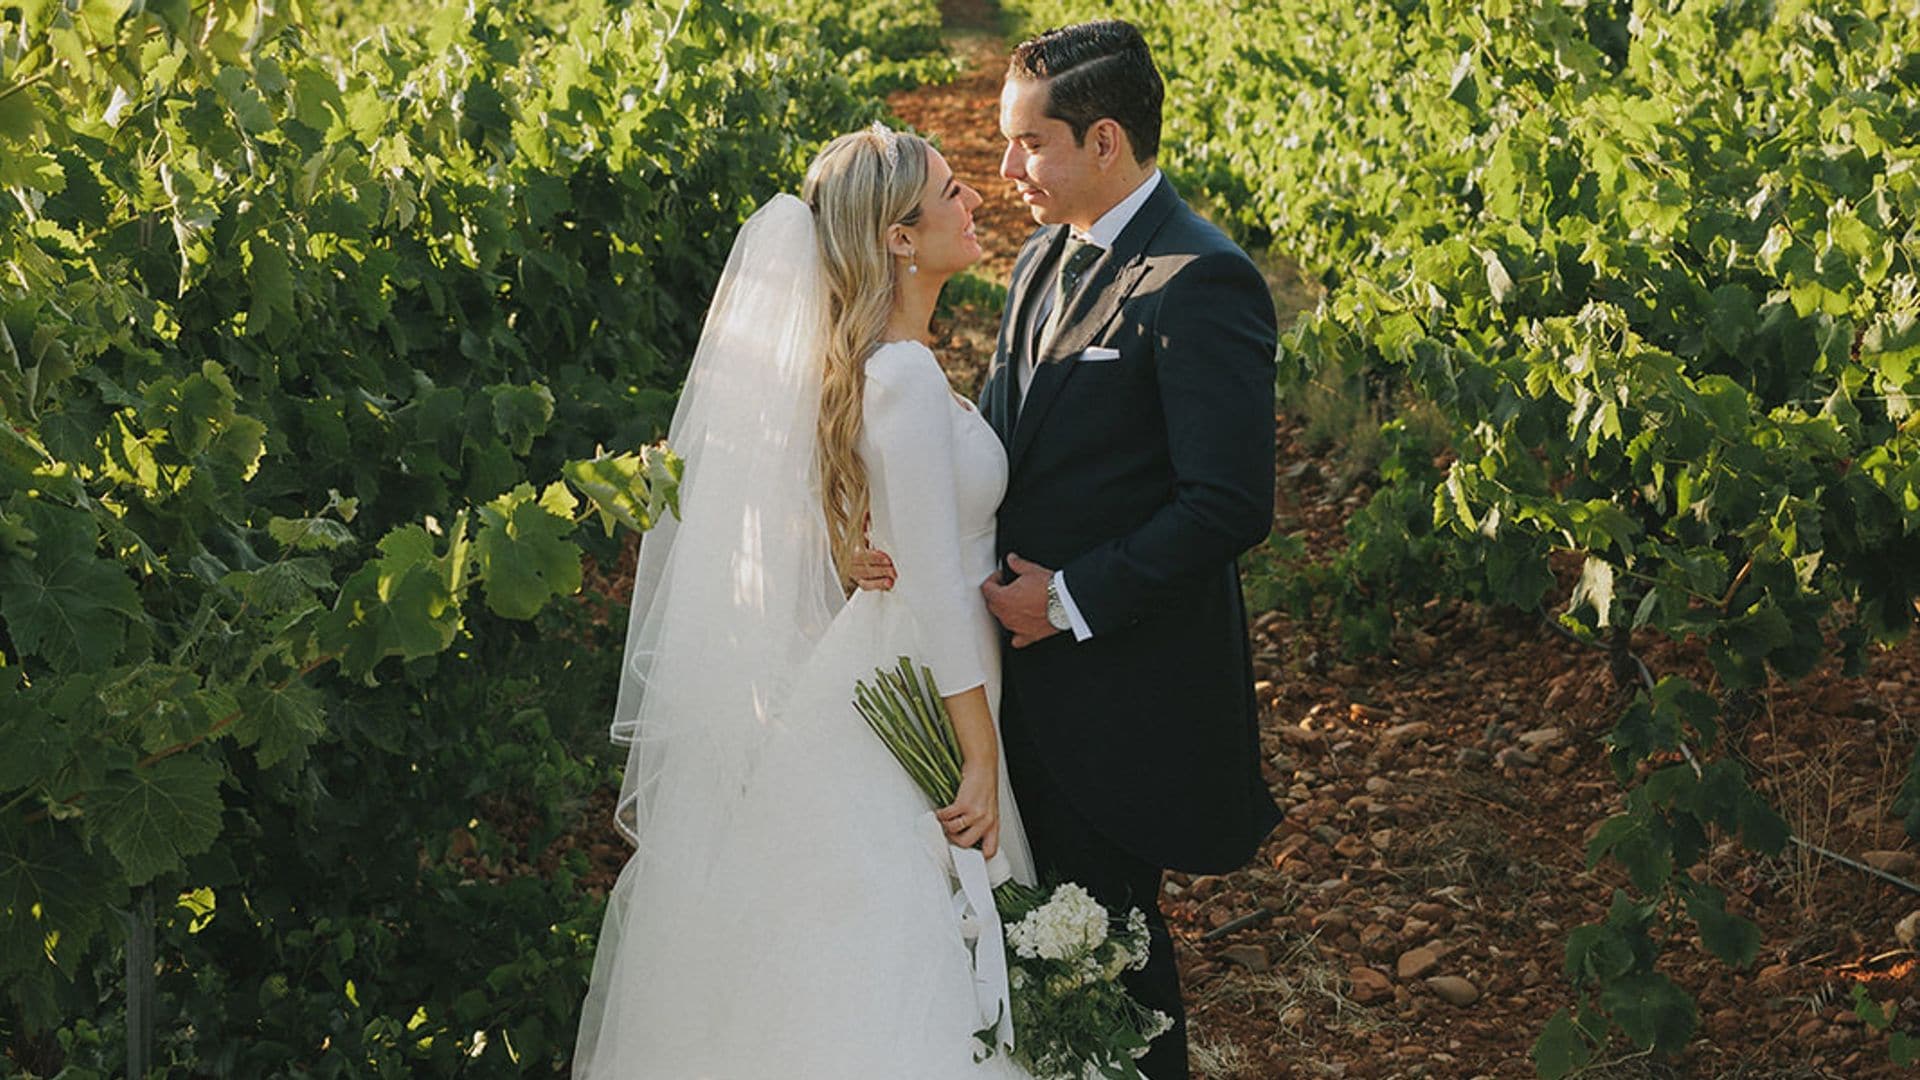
[(1066, 847)]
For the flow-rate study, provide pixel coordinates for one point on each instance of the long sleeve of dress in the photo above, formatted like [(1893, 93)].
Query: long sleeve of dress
[(907, 444)]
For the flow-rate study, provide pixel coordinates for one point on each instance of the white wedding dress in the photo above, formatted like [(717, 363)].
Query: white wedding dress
[(807, 931)]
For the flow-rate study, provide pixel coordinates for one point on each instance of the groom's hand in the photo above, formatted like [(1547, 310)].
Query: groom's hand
[(1021, 604), (872, 569)]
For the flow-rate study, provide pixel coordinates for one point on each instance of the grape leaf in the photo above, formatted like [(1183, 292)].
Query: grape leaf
[(525, 555), (1728, 936), (31, 169), (1560, 1049), (54, 894), (152, 818), (309, 534), (19, 119), (247, 105), (66, 605), (270, 278), (1903, 1049), (1759, 631), (280, 585), (1647, 852), (1892, 344), (617, 488), (1651, 1010), (393, 606), (1761, 826), (279, 722), (102, 18), (521, 413), (36, 745)]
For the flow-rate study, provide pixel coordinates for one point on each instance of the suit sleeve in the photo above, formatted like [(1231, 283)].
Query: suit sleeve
[(910, 474), (1215, 336)]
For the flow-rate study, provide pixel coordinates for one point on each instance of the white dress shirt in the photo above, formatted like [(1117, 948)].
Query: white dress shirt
[(1114, 222), (1104, 232)]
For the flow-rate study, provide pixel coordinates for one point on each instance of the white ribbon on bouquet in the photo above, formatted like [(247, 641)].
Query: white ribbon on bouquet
[(979, 923)]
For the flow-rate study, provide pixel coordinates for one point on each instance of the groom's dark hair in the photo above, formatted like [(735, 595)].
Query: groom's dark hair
[(1097, 70)]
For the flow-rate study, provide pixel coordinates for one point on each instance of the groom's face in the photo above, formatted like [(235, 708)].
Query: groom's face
[(1056, 175)]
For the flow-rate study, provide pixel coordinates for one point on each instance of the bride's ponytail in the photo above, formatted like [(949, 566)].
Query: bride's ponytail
[(860, 186)]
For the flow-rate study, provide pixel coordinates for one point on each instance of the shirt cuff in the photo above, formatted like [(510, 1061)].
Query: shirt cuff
[(1081, 631)]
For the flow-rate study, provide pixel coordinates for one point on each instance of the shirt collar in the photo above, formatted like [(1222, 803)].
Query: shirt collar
[(1107, 230)]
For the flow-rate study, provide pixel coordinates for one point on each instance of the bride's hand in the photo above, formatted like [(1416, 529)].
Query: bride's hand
[(872, 569), (974, 817)]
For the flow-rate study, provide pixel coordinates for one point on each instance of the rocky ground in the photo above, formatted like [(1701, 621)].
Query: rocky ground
[(1439, 801), (1409, 917)]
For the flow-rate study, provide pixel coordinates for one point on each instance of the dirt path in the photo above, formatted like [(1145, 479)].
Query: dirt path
[(1439, 801)]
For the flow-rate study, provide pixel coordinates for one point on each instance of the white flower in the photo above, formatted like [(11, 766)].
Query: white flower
[(1158, 1024), (1068, 924), (1141, 940)]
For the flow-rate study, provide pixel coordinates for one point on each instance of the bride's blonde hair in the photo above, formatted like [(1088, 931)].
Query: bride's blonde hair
[(860, 186)]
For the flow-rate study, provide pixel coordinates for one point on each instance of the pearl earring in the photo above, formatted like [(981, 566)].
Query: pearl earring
[(913, 264)]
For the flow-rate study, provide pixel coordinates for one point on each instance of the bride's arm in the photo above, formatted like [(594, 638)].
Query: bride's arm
[(910, 473), (909, 457), (974, 816)]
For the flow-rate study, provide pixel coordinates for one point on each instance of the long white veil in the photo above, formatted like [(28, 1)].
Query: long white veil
[(729, 599)]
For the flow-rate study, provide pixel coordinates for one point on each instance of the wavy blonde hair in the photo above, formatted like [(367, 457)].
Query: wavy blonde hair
[(858, 189)]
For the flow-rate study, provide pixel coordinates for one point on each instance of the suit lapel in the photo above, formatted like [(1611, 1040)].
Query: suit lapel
[(1056, 365), (1111, 279), (1000, 398), (1107, 288)]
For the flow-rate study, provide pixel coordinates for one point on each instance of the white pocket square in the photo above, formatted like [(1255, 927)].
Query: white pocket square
[(1096, 353)]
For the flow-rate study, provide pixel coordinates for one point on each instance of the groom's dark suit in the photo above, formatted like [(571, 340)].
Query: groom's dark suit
[(1140, 470)]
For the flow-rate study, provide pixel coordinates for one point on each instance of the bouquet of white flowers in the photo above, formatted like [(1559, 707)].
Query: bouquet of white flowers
[(1064, 952), (1065, 955)]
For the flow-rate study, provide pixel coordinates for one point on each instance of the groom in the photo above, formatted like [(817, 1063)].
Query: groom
[(1133, 388)]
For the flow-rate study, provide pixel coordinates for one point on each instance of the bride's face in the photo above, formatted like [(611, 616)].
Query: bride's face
[(943, 240)]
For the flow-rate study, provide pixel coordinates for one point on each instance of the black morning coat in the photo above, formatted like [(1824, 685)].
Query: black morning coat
[(1143, 477)]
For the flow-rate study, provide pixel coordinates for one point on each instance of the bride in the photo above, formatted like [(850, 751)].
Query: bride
[(787, 911)]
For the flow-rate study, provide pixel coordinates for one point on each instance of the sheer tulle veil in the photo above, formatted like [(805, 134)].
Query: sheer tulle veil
[(729, 598)]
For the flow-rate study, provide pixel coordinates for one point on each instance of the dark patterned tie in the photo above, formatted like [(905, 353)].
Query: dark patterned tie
[(1080, 255)]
